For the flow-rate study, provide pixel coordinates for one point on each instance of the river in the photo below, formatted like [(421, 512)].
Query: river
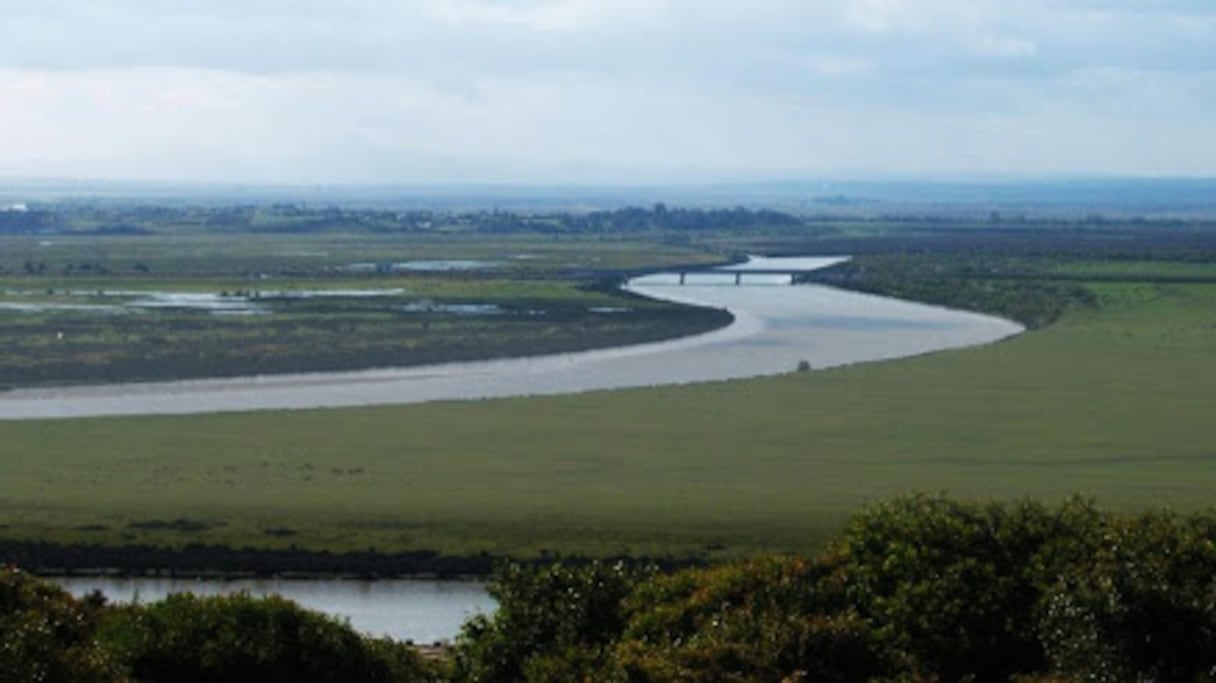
[(776, 328)]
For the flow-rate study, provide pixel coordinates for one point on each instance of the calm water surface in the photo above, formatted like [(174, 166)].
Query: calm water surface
[(776, 327), (422, 611)]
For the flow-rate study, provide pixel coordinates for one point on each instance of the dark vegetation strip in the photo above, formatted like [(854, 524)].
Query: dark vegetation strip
[(1032, 301), (194, 559), (171, 346)]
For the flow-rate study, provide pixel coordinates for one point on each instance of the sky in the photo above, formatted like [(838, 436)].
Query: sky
[(604, 91)]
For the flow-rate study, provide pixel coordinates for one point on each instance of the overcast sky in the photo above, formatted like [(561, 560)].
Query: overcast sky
[(604, 91)]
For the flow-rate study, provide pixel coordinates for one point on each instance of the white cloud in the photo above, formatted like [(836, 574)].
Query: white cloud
[(840, 66), (556, 90), (1005, 47)]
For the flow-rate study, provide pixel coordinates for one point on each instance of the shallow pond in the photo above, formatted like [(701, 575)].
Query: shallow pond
[(417, 610)]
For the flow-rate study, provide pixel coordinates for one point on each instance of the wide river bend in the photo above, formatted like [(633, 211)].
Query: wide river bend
[(776, 327)]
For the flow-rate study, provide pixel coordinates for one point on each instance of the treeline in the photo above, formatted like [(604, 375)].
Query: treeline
[(1059, 240), (78, 218), (290, 219), (661, 218), (27, 222), (920, 588)]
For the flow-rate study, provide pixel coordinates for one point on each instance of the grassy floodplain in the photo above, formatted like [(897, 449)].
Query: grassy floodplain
[(1114, 401), (92, 309)]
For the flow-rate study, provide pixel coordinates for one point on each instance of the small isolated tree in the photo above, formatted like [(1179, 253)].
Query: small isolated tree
[(804, 366)]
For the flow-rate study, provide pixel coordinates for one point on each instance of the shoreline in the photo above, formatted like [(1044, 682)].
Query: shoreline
[(225, 563)]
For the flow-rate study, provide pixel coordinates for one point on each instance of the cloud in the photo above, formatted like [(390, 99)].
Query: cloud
[(558, 90)]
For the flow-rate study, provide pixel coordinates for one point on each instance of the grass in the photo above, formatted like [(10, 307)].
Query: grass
[(1114, 402)]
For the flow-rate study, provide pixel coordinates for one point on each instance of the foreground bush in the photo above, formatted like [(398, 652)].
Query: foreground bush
[(185, 638), (919, 588), (47, 635), (764, 620), (1143, 608), (552, 623)]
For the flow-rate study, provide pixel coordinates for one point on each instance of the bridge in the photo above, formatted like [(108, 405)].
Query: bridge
[(738, 273), (734, 273)]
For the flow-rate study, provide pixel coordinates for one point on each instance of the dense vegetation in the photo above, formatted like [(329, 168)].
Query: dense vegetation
[(1033, 302), (917, 588), (47, 635)]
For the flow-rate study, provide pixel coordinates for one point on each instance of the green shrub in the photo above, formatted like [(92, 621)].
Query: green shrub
[(560, 613), (1142, 608), (762, 620), (951, 587), (48, 636), (185, 639)]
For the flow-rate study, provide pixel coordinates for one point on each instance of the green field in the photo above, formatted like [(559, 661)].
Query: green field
[(1115, 401)]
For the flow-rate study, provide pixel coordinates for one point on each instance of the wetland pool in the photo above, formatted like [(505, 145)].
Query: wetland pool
[(423, 611)]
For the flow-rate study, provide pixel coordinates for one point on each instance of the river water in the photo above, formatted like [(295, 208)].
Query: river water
[(776, 327), (417, 610)]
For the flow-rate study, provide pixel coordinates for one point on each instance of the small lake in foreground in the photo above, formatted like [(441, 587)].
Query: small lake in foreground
[(777, 326), (418, 610)]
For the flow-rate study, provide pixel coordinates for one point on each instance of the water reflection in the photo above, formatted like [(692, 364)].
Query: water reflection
[(417, 610)]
